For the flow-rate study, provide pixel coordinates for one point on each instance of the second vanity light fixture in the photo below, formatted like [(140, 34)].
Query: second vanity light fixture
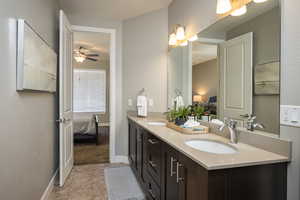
[(225, 6), (178, 37)]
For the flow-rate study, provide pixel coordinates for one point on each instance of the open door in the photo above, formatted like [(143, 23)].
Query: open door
[(236, 78), (65, 99)]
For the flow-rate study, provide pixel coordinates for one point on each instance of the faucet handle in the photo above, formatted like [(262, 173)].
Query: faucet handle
[(250, 117), (233, 123)]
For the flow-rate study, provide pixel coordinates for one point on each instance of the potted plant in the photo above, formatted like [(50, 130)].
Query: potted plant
[(179, 116), (198, 111)]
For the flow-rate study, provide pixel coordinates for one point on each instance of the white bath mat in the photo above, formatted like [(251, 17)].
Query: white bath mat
[(121, 184)]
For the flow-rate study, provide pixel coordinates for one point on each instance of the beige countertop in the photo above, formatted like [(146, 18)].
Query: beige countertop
[(247, 155)]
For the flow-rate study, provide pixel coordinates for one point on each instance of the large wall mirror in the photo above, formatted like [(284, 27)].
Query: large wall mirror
[(233, 69)]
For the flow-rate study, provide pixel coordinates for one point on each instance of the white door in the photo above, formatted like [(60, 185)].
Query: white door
[(65, 99), (236, 78)]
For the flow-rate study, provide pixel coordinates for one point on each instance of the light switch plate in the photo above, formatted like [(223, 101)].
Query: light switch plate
[(290, 115)]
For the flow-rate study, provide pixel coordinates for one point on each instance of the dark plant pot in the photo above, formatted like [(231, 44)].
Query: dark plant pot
[(179, 121)]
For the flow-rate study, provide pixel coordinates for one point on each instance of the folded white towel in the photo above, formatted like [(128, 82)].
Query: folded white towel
[(142, 106)]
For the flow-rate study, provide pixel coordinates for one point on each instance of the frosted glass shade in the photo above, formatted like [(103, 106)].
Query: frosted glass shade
[(172, 39), (180, 33), (240, 11), (259, 1), (223, 6)]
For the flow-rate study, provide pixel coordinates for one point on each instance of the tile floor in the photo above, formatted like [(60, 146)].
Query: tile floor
[(86, 182)]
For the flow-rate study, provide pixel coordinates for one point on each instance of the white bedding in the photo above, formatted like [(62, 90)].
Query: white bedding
[(84, 123)]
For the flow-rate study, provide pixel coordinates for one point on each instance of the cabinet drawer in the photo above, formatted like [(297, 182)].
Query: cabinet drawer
[(152, 190), (153, 157)]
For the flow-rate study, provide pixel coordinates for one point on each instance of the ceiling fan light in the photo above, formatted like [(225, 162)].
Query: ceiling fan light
[(259, 1), (79, 59), (223, 6), (172, 39), (194, 38), (180, 33), (239, 12)]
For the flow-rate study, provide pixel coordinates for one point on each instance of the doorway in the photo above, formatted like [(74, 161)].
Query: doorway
[(91, 78)]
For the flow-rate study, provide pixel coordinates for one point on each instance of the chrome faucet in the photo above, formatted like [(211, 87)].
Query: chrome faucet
[(231, 125), (251, 125)]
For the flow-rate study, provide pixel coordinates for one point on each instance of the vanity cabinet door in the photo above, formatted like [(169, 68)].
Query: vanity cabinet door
[(171, 185), (132, 129), (192, 179), (139, 151)]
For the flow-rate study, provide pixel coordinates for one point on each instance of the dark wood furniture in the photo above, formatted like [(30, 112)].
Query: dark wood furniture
[(166, 174)]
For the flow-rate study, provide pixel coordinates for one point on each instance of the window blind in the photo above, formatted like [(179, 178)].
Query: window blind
[(89, 93)]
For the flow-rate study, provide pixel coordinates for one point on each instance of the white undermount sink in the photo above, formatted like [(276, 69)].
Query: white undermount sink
[(211, 146), (156, 123)]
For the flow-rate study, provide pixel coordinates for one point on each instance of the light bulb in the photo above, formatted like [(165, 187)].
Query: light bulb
[(259, 1), (223, 6), (180, 33), (194, 38), (172, 39), (239, 11)]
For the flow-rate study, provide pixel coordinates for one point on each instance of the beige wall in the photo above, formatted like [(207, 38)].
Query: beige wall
[(29, 135), (145, 41), (266, 48), (206, 78), (290, 82), (196, 14)]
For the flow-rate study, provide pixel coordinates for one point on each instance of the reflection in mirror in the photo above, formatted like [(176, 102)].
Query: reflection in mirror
[(179, 76), (232, 70)]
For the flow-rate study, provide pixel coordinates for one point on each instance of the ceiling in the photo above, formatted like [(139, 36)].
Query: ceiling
[(204, 52), (98, 43), (112, 9)]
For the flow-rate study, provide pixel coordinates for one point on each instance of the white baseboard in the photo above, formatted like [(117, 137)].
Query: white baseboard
[(119, 159), (50, 186)]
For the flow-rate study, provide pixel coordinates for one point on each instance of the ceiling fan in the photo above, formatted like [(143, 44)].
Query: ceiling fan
[(82, 54)]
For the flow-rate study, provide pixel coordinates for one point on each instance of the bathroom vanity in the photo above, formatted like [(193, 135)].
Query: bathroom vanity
[(168, 169)]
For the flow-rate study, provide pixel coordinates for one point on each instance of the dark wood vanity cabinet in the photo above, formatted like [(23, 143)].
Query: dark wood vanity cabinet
[(167, 174)]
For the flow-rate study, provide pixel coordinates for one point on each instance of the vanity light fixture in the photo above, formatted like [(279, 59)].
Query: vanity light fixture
[(223, 6), (180, 33), (194, 38), (172, 39), (183, 44), (259, 1), (240, 11)]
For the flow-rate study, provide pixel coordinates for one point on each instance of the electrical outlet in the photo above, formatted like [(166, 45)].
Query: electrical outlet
[(290, 115)]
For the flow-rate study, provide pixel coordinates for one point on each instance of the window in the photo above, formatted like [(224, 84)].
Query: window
[(89, 90)]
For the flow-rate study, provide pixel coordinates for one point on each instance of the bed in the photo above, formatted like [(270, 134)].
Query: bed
[(85, 127)]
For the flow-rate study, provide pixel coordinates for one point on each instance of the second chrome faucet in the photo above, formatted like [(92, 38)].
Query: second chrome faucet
[(231, 125)]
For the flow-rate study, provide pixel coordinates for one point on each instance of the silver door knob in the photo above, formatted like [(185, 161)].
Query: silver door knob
[(61, 120)]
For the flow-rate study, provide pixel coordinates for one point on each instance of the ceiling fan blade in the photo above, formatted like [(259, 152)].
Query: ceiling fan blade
[(92, 54), (92, 59)]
